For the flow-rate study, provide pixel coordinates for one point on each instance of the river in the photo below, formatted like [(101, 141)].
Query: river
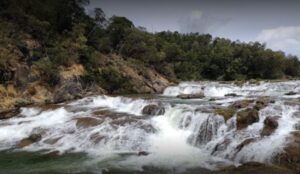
[(99, 134)]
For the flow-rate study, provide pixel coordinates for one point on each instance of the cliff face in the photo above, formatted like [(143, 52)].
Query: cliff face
[(23, 83)]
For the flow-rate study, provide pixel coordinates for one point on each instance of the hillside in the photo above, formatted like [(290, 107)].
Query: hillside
[(52, 51)]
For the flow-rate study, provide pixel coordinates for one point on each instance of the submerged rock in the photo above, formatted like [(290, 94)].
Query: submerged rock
[(246, 117), (245, 143), (191, 96), (153, 109), (290, 157), (270, 125), (28, 141)]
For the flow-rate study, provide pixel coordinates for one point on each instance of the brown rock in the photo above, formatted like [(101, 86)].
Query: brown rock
[(28, 141), (262, 103), (246, 117), (241, 104), (270, 125), (86, 122), (245, 143), (153, 109)]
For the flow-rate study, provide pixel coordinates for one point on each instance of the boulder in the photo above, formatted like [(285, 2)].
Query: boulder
[(28, 141), (153, 109), (246, 117), (270, 125), (191, 96)]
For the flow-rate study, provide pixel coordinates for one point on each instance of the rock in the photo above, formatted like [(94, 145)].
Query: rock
[(227, 113), (291, 93), (86, 122), (241, 104), (143, 153), (191, 96), (231, 95), (245, 143), (221, 146), (52, 141), (290, 157), (262, 103), (246, 117), (28, 141), (68, 91), (257, 168), (9, 113), (270, 125), (153, 109)]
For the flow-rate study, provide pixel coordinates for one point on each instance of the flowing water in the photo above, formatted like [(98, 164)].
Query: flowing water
[(102, 133)]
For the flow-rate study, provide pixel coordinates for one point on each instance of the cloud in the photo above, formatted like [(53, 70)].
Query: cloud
[(286, 39), (197, 21)]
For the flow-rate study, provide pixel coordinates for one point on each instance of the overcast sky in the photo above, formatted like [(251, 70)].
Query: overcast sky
[(275, 22)]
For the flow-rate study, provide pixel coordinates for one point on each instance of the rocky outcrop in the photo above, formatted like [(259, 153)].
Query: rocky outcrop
[(270, 125), (153, 109), (191, 96), (246, 117)]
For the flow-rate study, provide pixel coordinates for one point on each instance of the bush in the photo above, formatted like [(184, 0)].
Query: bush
[(50, 70)]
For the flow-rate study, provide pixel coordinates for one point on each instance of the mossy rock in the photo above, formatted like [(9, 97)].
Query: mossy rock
[(246, 117), (227, 113)]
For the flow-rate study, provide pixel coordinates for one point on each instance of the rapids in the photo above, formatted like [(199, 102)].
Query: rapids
[(112, 132)]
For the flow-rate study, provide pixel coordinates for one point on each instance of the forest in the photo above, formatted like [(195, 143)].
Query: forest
[(68, 35)]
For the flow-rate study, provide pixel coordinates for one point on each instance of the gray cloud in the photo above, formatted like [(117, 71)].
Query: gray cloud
[(282, 38), (197, 21)]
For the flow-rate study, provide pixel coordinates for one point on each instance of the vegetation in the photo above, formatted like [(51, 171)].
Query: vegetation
[(67, 35)]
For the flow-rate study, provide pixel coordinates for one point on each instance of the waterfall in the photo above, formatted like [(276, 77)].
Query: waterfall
[(188, 134)]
